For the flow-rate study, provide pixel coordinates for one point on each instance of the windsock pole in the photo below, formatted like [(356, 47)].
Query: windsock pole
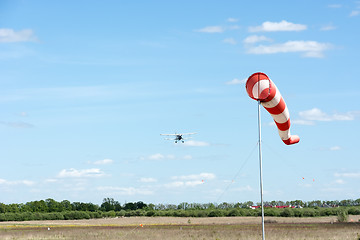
[(261, 181)]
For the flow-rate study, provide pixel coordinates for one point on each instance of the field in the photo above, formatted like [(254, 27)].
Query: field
[(221, 228)]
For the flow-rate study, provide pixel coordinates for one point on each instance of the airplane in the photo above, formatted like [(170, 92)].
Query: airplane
[(178, 136)]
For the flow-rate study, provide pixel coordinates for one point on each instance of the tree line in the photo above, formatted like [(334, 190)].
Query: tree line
[(50, 209)]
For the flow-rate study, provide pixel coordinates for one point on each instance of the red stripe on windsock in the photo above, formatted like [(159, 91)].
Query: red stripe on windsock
[(283, 126), (292, 140), (252, 80), (271, 93), (279, 108)]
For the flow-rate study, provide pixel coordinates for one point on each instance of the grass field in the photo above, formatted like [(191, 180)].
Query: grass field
[(221, 228)]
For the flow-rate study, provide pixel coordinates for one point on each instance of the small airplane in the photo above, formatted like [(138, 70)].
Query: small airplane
[(178, 136)]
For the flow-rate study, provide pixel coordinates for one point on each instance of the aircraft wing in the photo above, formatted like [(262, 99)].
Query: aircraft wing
[(187, 133), (170, 134)]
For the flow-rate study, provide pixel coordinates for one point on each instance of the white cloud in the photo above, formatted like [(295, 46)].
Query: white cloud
[(174, 184), (128, 191), (316, 114), (159, 156), (309, 48), (232, 20), (178, 184), (335, 6), (230, 41), (236, 81), (193, 143), (190, 180), (335, 148), (201, 176), (348, 175), (187, 157), (302, 122), (9, 35), (73, 173), (278, 26), (255, 38), (211, 29), (354, 13), (51, 180), (339, 181), (194, 183), (147, 180), (328, 27), (104, 161), (19, 182), (19, 124)]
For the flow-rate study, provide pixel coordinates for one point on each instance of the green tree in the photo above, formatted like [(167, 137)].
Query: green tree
[(53, 206), (109, 204), (37, 206), (130, 206), (2, 208), (66, 205)]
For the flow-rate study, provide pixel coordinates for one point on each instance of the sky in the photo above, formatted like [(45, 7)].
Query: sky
[(87, 87)]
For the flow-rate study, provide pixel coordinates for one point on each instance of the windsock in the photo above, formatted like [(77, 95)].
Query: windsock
[(260, 88)]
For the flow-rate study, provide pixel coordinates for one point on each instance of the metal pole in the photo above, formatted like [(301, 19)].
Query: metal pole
[(261, 181)]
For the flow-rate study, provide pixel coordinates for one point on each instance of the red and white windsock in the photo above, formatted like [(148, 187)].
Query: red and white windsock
[(259, 87)]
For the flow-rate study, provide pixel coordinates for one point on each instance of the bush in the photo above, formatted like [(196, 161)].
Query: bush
[(245, 212), (354, 211), (111, 214), (342, 215), (150, 213), (328, 212), (121, 213), (233, 213), (72, 215), (287, 213), (95, 215), (309, 212), (298, 212), (201, 213), (37, 216), (215, 213), (2, 217), (273, 212)]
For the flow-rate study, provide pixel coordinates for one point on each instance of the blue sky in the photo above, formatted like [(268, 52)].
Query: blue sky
[(87, 87)]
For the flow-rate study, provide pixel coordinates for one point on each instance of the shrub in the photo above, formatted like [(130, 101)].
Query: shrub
[(298, 212), (150, 213), (287, 213), (271, 212), (342, 215), (111, 214), (72, 215), (121, 213), (215, 213), (201, 213), (328, 212), (95, 214), (309, 212), (354, 211), (2, 217), (233, 213)]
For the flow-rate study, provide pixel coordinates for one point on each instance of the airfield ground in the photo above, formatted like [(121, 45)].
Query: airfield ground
[(220, 228)]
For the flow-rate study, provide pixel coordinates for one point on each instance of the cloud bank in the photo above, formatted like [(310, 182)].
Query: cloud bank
[(9, 35), (278, 26)]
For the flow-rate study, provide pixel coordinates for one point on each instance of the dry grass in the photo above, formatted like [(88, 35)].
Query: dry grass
[(223, 228)]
